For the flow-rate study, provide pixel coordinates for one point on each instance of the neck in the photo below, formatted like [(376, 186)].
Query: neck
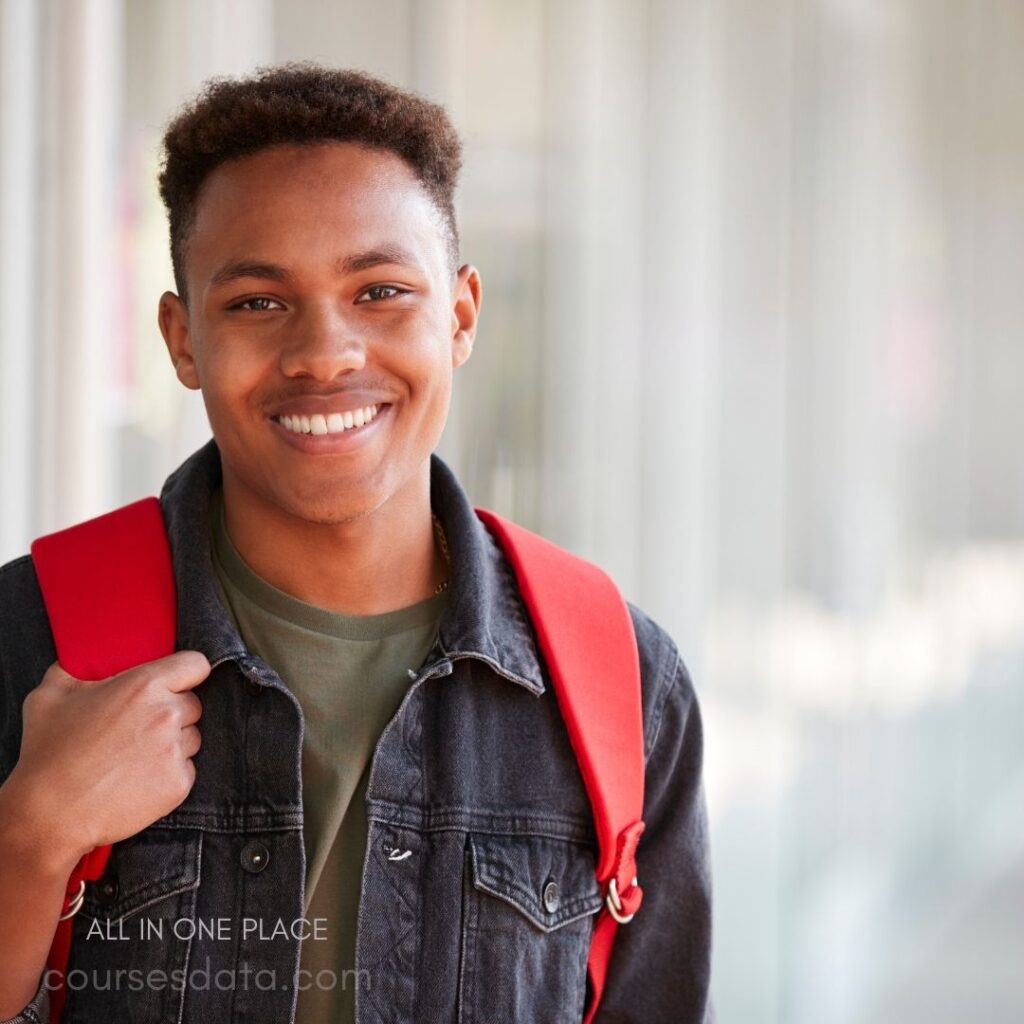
[(379, 562)]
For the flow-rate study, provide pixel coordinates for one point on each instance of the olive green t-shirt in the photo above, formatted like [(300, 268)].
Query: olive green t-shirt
[(349, 674)]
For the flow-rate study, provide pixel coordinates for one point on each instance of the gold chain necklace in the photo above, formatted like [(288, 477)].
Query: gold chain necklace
[(443, 542)]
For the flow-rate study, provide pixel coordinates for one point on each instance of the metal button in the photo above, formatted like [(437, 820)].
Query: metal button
[(255, 857), (107, 888), (552, 897)]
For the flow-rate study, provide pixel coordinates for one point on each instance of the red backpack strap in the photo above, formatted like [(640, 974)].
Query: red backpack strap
[(586, 638), (108, 587)]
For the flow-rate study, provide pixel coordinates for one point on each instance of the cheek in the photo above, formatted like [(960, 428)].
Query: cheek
[(230, 372), (434, 379), (230, 365), (422, 356)]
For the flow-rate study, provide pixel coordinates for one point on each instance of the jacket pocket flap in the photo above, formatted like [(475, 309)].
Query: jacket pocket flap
[(146, 868), (550, 881)]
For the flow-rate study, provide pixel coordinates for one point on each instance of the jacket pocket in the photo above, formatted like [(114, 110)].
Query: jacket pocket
[(528, 916), (132, 937)]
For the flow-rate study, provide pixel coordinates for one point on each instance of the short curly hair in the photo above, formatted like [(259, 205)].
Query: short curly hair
[(303, 103)]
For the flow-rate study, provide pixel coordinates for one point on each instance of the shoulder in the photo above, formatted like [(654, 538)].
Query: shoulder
[(15, 576), (26, 650), (22, 612), (664, 678)]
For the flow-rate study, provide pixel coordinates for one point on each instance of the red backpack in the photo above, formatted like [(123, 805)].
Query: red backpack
[(582, 624)]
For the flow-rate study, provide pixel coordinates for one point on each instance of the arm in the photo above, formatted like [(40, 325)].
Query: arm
[(34, 870), (661, 961), (98, 762), (33, 877)]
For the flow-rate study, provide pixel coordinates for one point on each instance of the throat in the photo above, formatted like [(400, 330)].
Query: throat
[(366, 566)]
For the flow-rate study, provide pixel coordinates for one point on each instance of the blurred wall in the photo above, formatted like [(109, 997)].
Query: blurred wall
[(749, 340)]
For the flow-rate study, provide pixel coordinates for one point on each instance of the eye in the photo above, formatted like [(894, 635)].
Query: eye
[(376, 293), (257, 304)]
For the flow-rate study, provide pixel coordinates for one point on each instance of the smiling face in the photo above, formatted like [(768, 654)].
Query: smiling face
[(319, 285)]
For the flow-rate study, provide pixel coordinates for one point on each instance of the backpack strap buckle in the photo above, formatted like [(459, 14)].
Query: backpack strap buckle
[(623, 897)]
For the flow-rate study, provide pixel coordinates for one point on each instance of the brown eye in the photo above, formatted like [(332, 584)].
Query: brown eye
[(379, 292), (259, 300)]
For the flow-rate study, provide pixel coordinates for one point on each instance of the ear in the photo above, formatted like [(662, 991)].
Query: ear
[(466, 295), (174, 326)]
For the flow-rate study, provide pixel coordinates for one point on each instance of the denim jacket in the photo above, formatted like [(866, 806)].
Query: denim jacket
[(478, 895)]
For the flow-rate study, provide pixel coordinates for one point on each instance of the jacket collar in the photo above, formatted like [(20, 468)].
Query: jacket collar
[(484, 616)]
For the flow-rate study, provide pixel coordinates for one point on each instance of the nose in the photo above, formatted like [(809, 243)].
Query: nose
[(323, 345)]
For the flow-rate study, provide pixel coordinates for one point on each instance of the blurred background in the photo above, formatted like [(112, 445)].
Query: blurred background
[(751, 340)]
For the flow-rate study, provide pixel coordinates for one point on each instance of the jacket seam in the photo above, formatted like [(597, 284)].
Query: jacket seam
[(389, 812)]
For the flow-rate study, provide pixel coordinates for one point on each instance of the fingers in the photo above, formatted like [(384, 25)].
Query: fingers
[(190, 777), (191, 741), (192, 708)]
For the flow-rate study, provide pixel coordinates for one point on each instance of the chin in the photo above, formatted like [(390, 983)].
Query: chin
[(318, 509)]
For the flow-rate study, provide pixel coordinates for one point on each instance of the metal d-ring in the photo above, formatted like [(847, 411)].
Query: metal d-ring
[(76, 903), (614, 903)]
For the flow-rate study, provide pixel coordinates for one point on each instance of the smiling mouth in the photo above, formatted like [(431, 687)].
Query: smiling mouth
[(331, 423)]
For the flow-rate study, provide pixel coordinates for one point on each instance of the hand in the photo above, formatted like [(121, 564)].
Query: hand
[(102, 760)]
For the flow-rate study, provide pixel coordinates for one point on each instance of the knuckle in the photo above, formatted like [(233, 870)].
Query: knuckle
[(165, 716)]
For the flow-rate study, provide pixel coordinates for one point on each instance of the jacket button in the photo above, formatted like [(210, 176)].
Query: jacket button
[(106, 889), (255, 857), (552, 897)]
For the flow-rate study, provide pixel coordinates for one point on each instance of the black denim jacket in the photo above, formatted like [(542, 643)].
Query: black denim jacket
[(478, 893)]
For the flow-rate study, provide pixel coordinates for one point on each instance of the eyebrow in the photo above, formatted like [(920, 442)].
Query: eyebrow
[(235, 269), (366, 259)]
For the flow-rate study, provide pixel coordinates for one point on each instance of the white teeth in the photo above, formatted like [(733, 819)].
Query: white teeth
[(333, 423)]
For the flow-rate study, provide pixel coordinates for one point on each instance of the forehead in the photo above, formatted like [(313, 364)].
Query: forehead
[(296, 203)]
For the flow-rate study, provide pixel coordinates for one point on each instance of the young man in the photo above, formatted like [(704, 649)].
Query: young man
[(349, 794)]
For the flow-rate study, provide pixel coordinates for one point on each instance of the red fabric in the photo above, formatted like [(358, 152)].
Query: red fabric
[(108, 588), (597, 963), (586, 638)]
